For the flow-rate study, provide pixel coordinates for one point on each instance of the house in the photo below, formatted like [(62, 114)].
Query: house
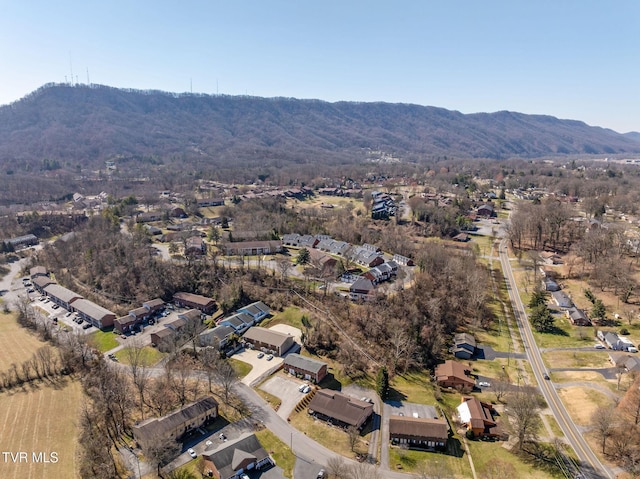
[(612, 340), (240, 322), (210, 202), (578, 317), (195, 246), (626, 362), (362, 288), (41, 282), (365, 257), (419, 432), (403, 260), (190, 316), (291, 239), (38, 271), (548, 284), (461, 237), (217, 337), (310, 369), (190, 300), (452, 374), (61, 296), (329, 245), (339, 408), (325, 263), (486, 211), (561, 299), (308, 241), (176, 424), (252, 248), (550, 258), (21, 241), (257, 310), (268, 340), (154, 305), (149, 216), (235, 458), (464, 346), (477, 416), (93, 313), (124, 324), (163, 338)]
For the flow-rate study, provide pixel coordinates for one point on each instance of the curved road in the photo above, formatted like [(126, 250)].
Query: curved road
[(591, 465)]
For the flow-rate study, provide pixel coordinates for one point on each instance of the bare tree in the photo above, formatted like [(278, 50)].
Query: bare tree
[(284, 266), (353, 435), (362, 470), (523, 410), (139, 372), (337, 468), (602, 420), (227, 377), (210, 358), (501, 386), (160, 451)]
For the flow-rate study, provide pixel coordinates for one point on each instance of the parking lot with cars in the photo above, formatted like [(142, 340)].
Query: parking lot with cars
[(287, 390)]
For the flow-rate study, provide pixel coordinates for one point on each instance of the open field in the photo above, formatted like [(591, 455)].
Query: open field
[(484, 454), (16, 343), (576, 359), (103, 340), (41, 420), (291, 315), (432, 462), (582, 402)]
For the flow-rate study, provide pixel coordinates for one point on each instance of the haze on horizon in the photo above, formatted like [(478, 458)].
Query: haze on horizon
[(572, 60)]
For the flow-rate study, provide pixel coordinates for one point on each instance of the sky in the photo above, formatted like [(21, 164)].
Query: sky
[(571, 59)]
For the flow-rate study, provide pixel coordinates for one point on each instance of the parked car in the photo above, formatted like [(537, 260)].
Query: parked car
[(321, 474), (208, 443), (30, 290), (484, 384), (192, 453), (260, 355), (306, 389), (55, 306), (244, 476), (270, 357), (302, 386), (598, 346), (86, 326), (222, 437), (68, 314)]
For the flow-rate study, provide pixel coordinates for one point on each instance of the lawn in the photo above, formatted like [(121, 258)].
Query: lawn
[(291, 315), (278, 450), (565, 335), (414, 386), (433, 463), (576, 359), (484, 454), (273, 401), (241, 368), (16, 343), (148, 356), (44, 419), (331, 437), (103, 341)]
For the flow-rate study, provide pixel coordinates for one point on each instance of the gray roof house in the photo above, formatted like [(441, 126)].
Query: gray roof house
[(257, 310), (578, 317), (234, 458), (240, 322), (309, 368), (561, 299), (464, 346), (216, 337)]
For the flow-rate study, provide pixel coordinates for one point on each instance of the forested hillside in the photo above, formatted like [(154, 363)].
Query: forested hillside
[(75, 127)]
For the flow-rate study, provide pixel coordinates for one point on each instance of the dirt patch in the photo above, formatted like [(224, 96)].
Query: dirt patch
[(582, 402)]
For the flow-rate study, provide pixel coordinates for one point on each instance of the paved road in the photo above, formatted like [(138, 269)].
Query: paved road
[(591, 465)]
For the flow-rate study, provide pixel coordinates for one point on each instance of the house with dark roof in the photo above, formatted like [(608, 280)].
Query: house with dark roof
[(257, 310), (452, 374), (154, 305), (578, 317), (464, 346), (487, 211), (195, 246), (232, 459), (362, 288), (37, 271), (190, 300), (268, 340), (308, 368), (124, 324), (548, 284), (461, 237), (217, 337), (240, 322), (252, 248), (477, 416), (627, 362), (419, 432), (176, 424), (41, 282), (340, 409)]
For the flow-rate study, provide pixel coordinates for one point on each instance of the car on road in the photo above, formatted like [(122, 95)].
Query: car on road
[(546, 376), (270, 357), (598, 346), (322, 474), (260, 355), (192, 453), (484, 384)]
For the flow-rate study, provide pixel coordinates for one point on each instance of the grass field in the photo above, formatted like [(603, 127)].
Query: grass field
[(278, 450), (291, 315), (241, 368), (16, 343), (430, 462), (41, 420), (103, 341), (582, 402), (148, 356), (576, 359)]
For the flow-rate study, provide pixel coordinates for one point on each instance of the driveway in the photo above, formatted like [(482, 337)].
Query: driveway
[(287, 390), (261, 368), (286, 329)]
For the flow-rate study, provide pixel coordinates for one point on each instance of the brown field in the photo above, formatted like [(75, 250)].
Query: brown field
[(40, 420), (17, 344), (582, 402)]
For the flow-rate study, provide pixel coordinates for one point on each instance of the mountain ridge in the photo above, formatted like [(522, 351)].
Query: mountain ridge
[(91, 124)]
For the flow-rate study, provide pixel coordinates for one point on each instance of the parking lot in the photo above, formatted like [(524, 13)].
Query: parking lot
[(285, 389), (412, 410), (260, 366)]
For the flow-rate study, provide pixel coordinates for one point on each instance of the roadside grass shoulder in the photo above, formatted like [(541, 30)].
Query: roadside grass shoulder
[(240, 367), (149, 356), (282, 455)]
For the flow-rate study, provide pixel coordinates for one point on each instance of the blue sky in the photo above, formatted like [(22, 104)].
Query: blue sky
[(570, 59)]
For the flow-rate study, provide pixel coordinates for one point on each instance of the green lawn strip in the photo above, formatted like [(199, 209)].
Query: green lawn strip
[(414, 386), (148, 356), (486, 453), (553, 424), (412, 461), (194, 466), (564, 335), (103, 340), (273, 401), (291, 315), (281, 454), (241, 368)]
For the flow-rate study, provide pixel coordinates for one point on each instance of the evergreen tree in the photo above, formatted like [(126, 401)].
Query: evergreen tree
[(541, 318), (303, 256), (382, 383), (538, 297)]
